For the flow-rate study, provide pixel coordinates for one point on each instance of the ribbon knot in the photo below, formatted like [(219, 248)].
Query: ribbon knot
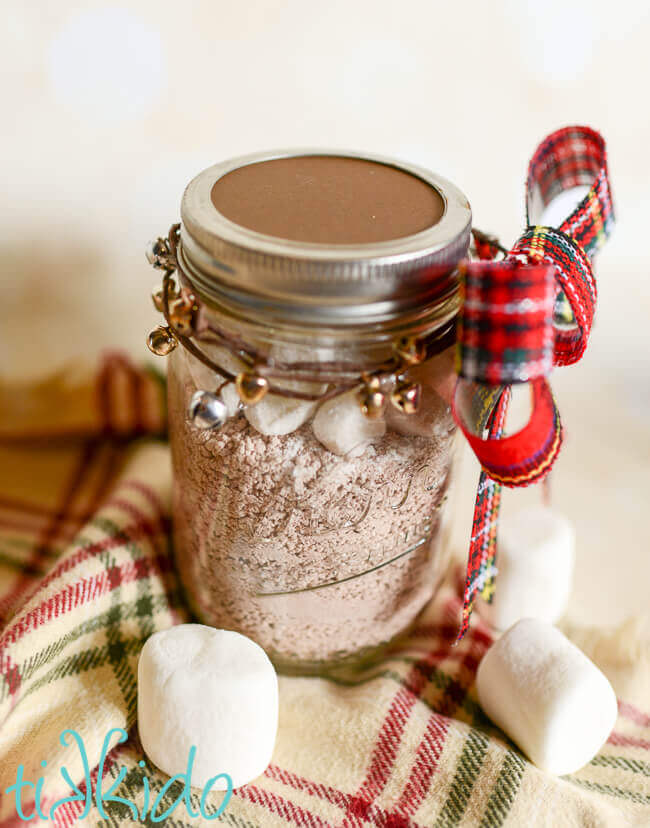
[(518, 317), (576, 286)]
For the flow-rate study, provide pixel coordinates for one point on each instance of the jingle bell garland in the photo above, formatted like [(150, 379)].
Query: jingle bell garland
[(186, 322), (406, 396)]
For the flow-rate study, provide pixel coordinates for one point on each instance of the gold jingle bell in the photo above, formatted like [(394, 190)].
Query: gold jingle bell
[(406, 397), (251, 387), (161, 341), (410, 350), (183, 311), (158, 294), (372, 402), (372, 383)]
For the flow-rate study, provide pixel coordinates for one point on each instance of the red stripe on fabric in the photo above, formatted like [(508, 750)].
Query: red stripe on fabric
[(294, 814), (10, 674), (154, 526), (36, 509), (633, 713), (332, 795), (30, 528), (425, 765), (299, 783), (136, 390), (431, 746), (148, 493), (132, 532), (621, 740), (71, 597), (448, 632), (74, 595), (72, 810), (50, 533), (67, 815), (389, 738)]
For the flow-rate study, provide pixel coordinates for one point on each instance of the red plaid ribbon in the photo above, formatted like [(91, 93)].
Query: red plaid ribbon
[(519, 316)]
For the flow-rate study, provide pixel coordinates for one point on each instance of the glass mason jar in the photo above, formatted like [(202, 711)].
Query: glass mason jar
[(314, 523)]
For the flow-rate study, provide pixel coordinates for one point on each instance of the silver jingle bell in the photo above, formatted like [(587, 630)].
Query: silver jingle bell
[(158, 254), (207, 410)]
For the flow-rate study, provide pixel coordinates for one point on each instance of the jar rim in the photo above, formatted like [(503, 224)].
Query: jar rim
[(316, 283)]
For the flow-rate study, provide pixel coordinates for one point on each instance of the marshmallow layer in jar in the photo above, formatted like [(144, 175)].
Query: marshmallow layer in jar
[(304, 524)]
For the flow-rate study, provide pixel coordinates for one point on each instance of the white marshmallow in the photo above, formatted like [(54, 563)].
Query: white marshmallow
[(535, 558), (551, 700), (282, 415), (206, 379), (342, 427), (279, 415), (231, 398), (214, 689)]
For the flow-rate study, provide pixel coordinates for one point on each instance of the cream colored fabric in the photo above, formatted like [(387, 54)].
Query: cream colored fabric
[(87, 574)]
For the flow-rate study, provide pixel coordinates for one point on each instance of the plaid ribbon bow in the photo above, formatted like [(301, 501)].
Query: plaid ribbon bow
[(518, 317)]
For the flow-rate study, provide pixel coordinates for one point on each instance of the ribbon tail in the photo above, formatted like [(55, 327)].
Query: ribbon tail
[(481, 561)]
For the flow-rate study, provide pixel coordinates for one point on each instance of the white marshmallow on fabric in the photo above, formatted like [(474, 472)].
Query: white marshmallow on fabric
[(342, 427), (214, 689), (551, 700), (535, 559)]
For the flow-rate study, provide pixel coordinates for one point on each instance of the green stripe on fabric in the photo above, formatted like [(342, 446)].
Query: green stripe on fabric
[(443, 681), (610, 790), (117, 652), (117, 648), (78, 663), (468, 769), (504, 790), (128, 610), (111, 530), (440, 679), (622, 763)]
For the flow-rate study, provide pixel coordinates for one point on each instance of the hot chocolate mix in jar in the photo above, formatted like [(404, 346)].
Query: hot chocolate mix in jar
[(312, 439)]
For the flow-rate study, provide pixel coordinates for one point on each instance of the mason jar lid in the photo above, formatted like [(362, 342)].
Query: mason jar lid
[(306, 236)]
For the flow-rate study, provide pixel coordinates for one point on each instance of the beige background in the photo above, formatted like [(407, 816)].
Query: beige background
[(109, 110)]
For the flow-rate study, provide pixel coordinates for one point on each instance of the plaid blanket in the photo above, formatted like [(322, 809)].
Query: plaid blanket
[(86, 576)]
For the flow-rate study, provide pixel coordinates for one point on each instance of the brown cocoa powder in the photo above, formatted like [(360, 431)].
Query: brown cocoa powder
[(316, 557)]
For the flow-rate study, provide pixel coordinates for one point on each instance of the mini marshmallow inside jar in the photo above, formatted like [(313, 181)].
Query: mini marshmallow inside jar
[(310, 516)]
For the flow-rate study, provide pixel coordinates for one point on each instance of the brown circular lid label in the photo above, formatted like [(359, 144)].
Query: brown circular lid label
[(327, 200)]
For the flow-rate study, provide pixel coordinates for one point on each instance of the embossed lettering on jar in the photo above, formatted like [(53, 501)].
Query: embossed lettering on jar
[(312, 438)]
